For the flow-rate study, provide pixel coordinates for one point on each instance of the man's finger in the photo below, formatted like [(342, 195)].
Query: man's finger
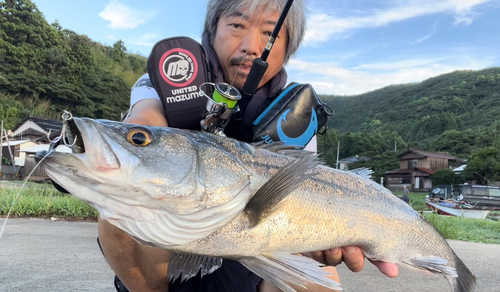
[(353, 258), (333, 256), (389, 269)]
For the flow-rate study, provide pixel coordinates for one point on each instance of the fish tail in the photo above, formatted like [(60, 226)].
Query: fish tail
[(466, 281)]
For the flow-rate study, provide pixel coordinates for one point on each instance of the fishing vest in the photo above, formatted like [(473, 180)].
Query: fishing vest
[(177, 69), (179, 66)]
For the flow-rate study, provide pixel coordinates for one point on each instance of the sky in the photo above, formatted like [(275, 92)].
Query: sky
[(350, 47)]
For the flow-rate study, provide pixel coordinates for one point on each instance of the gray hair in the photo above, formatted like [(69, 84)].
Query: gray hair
[(295, 21)]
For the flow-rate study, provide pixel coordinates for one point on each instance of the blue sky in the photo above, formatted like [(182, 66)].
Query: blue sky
[(350, 47)]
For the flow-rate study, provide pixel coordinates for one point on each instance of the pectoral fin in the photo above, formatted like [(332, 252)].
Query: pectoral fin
[(431, 264), (297, 270), (188, 265), (460, 277), (279, 186)]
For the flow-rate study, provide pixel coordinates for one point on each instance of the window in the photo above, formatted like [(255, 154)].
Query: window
[(480, 192), (406, 180), (412, 164), (494, 192)]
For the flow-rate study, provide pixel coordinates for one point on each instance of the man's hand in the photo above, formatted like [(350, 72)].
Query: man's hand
[(353, 258)]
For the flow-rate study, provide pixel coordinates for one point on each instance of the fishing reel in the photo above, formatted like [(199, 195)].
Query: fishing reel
[(220, 106)]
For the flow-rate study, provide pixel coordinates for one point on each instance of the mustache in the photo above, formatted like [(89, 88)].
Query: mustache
[(241, 60)]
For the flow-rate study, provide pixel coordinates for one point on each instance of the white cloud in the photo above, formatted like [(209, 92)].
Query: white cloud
[(123, 17), (328, 78), (411, 63), (425, 37), (322, 27), (467, 20)]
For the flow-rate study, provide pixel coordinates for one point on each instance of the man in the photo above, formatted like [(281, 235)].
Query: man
[(235, 33), (405, 197)]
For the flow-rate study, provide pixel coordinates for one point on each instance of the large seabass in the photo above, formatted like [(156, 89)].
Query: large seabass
[(203, 196)]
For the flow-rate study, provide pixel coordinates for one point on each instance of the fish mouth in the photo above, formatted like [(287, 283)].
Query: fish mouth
[(72, 137)]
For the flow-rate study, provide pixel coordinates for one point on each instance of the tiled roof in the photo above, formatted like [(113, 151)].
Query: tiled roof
[(423, 154), (426, 170), (399, 171), (46, 124)]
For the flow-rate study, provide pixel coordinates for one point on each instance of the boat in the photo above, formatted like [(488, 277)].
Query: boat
[(459, 209)]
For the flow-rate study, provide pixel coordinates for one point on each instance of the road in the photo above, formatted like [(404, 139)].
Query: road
[(39, 255)]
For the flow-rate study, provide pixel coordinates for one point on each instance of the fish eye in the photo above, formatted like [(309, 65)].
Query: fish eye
[(139, 136)]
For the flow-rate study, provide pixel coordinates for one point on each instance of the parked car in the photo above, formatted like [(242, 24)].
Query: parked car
[(480, 195), (473, 194)]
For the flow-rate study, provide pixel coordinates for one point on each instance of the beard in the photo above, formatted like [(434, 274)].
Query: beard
[(238, 70)]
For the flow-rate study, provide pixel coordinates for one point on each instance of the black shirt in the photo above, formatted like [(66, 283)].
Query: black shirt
[(230, 277)]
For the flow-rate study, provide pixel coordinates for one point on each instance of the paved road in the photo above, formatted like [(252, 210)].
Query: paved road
[(41, 255)]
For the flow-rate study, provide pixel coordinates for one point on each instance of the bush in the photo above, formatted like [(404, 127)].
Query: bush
[(443, 177)]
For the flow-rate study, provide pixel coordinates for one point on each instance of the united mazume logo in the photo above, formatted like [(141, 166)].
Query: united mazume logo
[(178, 67)]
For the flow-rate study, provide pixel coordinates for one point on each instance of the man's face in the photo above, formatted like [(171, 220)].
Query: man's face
[(241, 38)]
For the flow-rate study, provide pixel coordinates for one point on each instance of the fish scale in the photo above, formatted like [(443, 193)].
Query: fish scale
[(202, 195)]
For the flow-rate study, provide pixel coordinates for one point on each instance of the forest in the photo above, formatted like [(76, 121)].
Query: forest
[(456, 113), (45, 69)]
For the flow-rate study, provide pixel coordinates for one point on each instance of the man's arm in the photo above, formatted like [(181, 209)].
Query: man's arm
[(147, 112), (139, 267)]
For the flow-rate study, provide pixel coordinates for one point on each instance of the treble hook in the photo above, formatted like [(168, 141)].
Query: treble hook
[(48, 135), (66, 143), (66, 116)]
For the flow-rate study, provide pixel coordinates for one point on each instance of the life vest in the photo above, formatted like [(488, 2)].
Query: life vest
[(179, 66)]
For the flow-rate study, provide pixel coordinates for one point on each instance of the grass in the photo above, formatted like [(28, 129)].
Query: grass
[(44, 201), (40, 200), (417, 201), (466, 229)]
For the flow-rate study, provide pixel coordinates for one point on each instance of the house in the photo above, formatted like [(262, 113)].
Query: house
[(15, 148), (9, 171), (416, 168), (30, 165), (344, 163), (36, 129), (459, 169), (28, 133)]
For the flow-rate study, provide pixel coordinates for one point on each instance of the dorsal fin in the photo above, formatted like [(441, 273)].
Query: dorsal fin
[(279, 186), (190, 264), (281, 148)]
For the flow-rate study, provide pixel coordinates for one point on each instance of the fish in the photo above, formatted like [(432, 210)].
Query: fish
[(207, 198)]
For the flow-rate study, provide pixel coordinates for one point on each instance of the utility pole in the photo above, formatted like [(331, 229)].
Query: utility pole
[(1, 151), (395, 146), (338, 151)]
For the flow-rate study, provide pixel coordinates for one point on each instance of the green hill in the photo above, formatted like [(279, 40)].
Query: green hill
[(45, 69), (421, 112), (457, 113)]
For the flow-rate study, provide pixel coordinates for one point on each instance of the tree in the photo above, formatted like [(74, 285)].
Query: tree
[(25, 34), (380, 164), (484, 165), (118, 51), (452, 141), (443, 177), (327, 147)]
